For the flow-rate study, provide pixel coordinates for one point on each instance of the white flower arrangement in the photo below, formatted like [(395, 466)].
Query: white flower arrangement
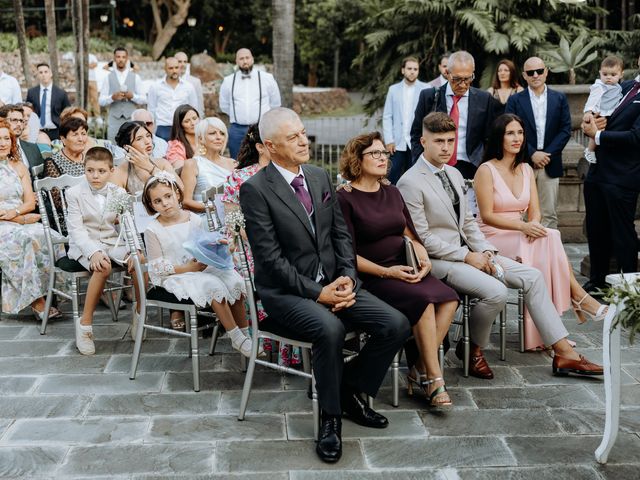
[(626, 295), (118, 201), (234, 220)]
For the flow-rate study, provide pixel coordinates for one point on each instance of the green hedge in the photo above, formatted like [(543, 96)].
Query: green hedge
[(9, 43)]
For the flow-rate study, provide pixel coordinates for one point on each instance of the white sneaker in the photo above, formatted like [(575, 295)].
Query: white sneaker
[(590, 156), (243, 345), (134, 326), (84, 339)]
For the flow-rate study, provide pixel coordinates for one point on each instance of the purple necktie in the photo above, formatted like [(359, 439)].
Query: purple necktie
[(302, 194), (630, 96)]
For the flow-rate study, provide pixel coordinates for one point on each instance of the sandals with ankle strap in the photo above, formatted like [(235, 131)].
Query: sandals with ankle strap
[(415, 377), (433, 398)]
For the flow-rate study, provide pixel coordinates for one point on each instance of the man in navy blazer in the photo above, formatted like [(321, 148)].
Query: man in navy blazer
[(54, 98), (397, 117), (476, 112), (612, 185), (547, 125)]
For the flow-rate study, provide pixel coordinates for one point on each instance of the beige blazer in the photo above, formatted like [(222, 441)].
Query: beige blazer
[(91, 228), (446, 236)]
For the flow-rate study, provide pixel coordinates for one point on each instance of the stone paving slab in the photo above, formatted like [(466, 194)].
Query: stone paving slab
[(152, 404), (401, 424), (29, 462), (590, 421), (166, 363), (101, 383), (40, 365), (536, 473), (28, 348), (364, 475), (49, 406), (551, 396), (16, 385)]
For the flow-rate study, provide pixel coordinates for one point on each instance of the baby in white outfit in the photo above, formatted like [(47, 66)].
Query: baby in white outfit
[(604, 96)]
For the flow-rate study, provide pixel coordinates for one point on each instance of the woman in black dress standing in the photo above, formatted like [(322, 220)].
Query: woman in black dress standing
[(377, 219)]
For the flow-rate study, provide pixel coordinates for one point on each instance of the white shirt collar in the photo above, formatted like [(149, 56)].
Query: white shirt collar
[(431, 166), (532, 93), (48, 87), (286, 174), (450, 91), (180, 80)]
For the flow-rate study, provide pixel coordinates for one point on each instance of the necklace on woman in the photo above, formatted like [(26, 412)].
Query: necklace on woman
[(69, 158)]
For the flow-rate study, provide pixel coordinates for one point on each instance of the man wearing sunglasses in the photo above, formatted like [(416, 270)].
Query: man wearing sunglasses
[(547, 125), (160, 145)]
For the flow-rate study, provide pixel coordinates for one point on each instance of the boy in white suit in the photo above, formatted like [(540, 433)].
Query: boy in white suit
[(93, 236)]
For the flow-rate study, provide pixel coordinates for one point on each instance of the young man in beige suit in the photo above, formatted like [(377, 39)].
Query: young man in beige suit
[(465, 260), (93, 238)]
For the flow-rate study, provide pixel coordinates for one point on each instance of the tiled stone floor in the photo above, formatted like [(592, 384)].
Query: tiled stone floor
[(67, 416)]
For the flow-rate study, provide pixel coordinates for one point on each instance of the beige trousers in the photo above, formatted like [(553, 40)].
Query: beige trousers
[(548, 197)]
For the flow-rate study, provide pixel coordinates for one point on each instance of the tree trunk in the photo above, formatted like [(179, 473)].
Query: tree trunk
[(336, 65), (178, 11), (22, 41), (50, 14), (572, 76), (312, 75), (283, 15), (623, 15), (80, 23)]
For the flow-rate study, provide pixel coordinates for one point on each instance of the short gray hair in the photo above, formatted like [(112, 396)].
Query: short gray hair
[(273, 119), (201, 131), (461, 57), (140, 111)]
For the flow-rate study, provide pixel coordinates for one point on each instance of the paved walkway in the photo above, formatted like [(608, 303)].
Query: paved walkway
[(67, 416)]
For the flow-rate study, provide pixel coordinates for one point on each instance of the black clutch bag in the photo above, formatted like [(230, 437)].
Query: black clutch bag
[(410, 252)]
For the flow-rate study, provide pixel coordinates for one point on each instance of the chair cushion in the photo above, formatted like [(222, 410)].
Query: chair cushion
[(69, 265), (161, 295)]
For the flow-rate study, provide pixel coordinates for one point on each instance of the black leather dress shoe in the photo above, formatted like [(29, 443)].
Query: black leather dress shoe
[(329, 447), (592, 288), (357, 410)]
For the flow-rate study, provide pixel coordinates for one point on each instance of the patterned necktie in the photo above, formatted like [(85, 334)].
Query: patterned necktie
[(630, 96), (302, 193), (43, 109), (446, 184), (455, 116)]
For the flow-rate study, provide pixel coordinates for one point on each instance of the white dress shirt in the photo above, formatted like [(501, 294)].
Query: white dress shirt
[(164, 99), (243, 102), (463, 109), (539, 107), (408, 91), (197, 86), (10, 92), (138, 95), (46, 109)]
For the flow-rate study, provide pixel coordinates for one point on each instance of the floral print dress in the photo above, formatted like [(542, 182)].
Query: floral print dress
[(24, 260), (288, 355)]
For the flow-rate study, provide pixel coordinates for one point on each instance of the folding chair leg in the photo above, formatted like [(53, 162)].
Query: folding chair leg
[(137, 347), (395, 374), (75, 307), (306, 363), (47, 306), (521, 318), (195, 359), (112, 306), (246, 388), (441, 356), (214, 337), (503, 334), (316, 408), (465, 335)]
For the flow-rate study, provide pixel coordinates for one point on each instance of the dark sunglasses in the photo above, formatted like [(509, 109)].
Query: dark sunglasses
[(539, 71)]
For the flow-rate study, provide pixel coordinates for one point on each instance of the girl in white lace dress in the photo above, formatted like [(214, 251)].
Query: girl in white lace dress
[(174, 269)]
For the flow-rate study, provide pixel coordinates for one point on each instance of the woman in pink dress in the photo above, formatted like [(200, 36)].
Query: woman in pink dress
[(505, 187)]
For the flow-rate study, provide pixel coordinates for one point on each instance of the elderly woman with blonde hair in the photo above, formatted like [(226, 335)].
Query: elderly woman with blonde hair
[(208, 168)]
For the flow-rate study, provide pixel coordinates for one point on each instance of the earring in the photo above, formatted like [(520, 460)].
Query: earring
[(202, 150)]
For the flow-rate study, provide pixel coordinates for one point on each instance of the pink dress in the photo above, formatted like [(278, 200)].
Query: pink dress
[(546, 254)]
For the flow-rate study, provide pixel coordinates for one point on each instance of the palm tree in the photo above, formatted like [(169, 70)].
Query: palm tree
[(22, 41), (283, 16), (568, 58), (50, 14)]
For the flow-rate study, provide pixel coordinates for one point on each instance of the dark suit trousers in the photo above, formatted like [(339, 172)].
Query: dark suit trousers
[(315, 323), (610, 212), (400, 163)]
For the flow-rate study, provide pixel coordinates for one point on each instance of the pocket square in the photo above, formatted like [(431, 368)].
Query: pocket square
[(636, 101), (326, 196)]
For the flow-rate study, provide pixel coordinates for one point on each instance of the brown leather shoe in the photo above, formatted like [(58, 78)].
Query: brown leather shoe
[(563, 366), (478, 366)]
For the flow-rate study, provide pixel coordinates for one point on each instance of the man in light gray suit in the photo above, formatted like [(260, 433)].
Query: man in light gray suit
[(466, 261)]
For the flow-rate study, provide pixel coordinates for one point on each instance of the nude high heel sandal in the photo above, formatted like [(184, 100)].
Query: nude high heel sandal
[(583, 315)]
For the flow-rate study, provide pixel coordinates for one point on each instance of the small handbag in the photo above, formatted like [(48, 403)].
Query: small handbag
[(410, 252)]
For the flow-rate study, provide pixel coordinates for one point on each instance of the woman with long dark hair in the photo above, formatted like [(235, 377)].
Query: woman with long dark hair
[(510, 219), (182, 143), (505, 81)]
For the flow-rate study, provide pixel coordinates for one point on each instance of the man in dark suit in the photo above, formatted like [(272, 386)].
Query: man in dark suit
[(305, 275), (612, 185), (29, 152), (48, 101), (473, 111), (547, 125)]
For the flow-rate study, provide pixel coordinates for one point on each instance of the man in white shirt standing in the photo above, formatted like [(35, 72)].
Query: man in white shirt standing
[(397, 117), (245, 96), (167, 94), (10, 92), (121, 92), (94, 105), (185, 73), (547, 126), (48, 101)]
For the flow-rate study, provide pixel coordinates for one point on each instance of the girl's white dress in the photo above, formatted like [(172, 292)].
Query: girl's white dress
[(165, 251)]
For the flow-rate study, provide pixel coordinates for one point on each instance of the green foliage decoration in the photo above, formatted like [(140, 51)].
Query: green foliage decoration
[(626, 296)]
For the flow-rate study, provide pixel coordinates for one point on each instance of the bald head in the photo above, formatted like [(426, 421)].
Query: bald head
[(535, 73), (172, 68), (244, 60), (285, 137), (183, 61)]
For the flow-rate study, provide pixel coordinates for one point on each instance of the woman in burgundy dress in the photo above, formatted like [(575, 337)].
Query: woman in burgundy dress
[(377, 219)]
